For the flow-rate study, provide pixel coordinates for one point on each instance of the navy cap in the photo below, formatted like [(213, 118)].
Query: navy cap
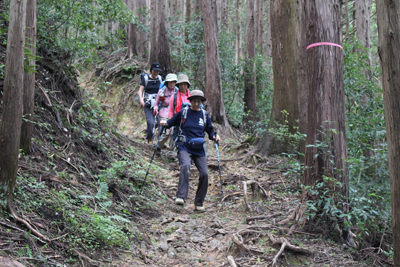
[(155, 66)]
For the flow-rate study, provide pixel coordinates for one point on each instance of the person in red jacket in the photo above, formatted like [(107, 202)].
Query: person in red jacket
[(180, 97)]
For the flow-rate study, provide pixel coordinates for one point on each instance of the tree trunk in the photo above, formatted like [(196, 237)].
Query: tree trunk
[(163, 43), (388, 13), (10, 125), (29, 78), (238, 45), (188, 18), (302, 82), (197, 8), (260, 25), (132, 32), (363, 13), (250, 83), (142, 37), (154, 32), (326, 112), (215, 105), (268, 41), (285, 67)]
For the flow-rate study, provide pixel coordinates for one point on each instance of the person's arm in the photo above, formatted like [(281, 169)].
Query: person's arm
[(141, 89), (155, 108), (171, 107), (210, 130), (174, 121)]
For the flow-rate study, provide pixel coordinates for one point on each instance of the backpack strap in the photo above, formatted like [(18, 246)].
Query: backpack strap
[(146, 79)]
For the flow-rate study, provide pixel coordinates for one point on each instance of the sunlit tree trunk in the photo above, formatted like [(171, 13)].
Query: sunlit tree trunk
[(326, 100), (163, 42), (29, 78), (213, 91), (250, 83), (154, 32), (388, 13), (10, 125)]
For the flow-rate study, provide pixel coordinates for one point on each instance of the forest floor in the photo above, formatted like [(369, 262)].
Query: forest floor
[(61, 187)]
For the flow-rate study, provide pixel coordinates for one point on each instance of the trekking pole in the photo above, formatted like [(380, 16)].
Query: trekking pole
[(219, 166), (151, 160), (154, 131)]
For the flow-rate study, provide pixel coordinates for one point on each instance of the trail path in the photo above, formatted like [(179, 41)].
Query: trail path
[(229, 228), (237, 229)]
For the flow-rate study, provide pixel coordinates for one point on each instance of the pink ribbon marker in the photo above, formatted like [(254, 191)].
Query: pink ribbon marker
[(324, 43)]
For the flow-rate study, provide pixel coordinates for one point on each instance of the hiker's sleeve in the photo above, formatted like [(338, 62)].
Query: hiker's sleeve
[(174, 121), (141, 81), (171, 107), (209, 128)]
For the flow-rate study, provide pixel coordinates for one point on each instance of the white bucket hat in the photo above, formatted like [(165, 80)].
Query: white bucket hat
[(171, 78)]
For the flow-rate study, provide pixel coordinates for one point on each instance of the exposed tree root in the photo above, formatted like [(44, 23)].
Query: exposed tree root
[(231, 261), (246, 200), (17, 218), (285, 244)]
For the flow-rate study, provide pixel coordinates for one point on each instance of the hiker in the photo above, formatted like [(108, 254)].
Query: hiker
[(193, 122), (180, 97), (162, 106), (149, 85)]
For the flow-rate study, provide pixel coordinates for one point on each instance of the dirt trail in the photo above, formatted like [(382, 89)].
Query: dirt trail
[(228, 227), (231, 227)]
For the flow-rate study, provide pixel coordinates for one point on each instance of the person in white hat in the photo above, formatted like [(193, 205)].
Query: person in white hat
[(193, 123), (162, 106)]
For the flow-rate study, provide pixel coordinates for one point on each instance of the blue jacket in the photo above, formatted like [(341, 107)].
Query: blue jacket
[(193, 127)]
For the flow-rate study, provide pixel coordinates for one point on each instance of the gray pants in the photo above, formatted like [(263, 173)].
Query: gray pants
[(183, 186), (150, 121)]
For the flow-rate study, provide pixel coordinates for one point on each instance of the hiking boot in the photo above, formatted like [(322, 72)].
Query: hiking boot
[(179, 201), (158, 151), (200, 208)]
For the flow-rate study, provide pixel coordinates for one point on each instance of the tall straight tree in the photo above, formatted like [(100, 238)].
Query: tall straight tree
[(238, 43), (388, 13), (326, 100), (213, 90), (163, 44), (153, 32), (29, 77), (250, 82), (285, 68), (141, 35), (363, 18), (10, 126), (131, 32)]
